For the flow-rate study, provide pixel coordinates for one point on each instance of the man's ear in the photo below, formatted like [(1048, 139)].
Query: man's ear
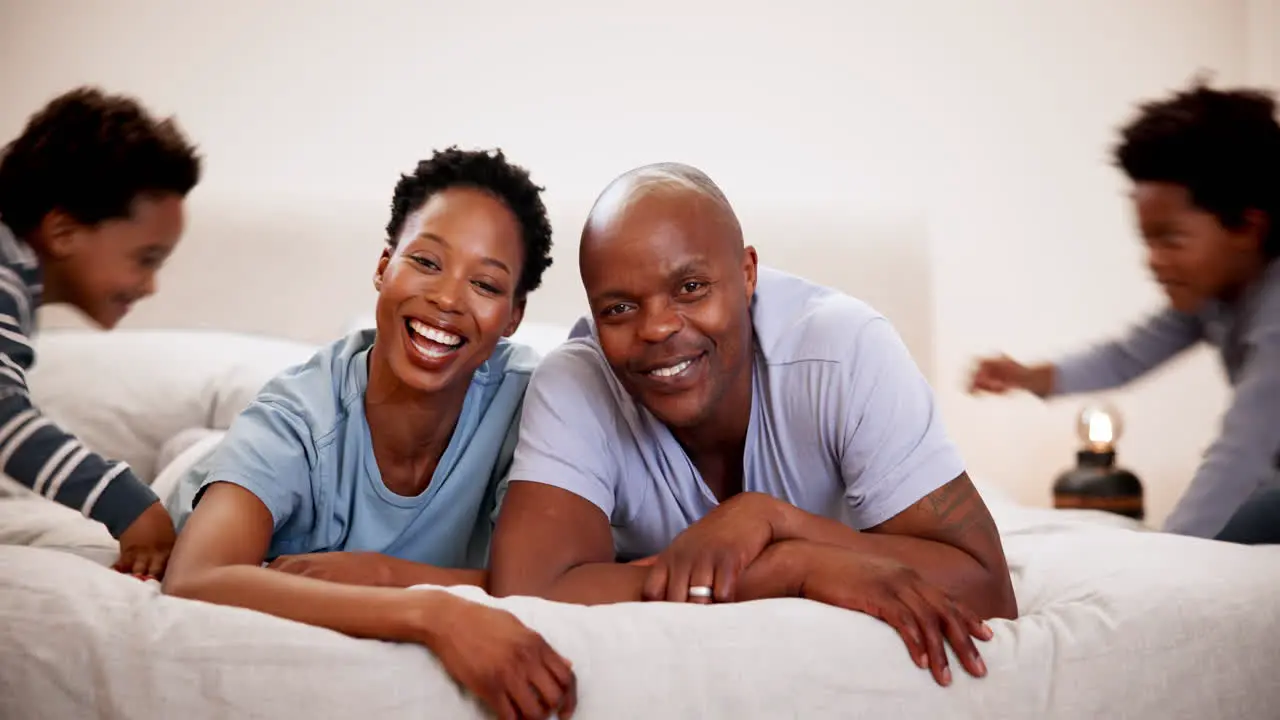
[(749, 265), (383, 261), (60, 234), (517, 315)]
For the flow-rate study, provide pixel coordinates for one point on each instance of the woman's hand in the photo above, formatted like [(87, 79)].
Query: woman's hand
[(497, 658)]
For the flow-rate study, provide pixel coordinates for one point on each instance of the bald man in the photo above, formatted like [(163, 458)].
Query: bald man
[(739, 433)]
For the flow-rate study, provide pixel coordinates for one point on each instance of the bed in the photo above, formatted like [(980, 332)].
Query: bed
[(1115, 621)]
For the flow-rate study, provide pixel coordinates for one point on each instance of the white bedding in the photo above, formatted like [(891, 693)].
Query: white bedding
[(1115, 623)]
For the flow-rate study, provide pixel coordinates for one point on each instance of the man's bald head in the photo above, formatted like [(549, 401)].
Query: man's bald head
[(670, 285), (669, 189)]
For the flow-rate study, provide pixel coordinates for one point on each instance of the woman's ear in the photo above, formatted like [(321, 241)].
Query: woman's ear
[(517, 315), (383, 261)]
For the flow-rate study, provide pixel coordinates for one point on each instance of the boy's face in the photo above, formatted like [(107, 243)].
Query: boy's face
[(1193, 256), (104, 269)]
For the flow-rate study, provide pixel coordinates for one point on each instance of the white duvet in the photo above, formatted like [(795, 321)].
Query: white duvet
[(1116, 623)]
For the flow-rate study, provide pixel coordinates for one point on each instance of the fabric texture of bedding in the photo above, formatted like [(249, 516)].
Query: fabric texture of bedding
[(1115, 623)]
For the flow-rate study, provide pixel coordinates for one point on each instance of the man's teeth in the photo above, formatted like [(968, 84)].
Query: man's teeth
[(435, 334), (673, 370)]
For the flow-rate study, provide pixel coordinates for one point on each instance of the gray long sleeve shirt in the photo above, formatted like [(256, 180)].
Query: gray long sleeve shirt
[(33, 449), (1245, 457)]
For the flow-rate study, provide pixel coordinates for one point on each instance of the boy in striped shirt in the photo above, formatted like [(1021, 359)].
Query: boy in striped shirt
[(91, 205)]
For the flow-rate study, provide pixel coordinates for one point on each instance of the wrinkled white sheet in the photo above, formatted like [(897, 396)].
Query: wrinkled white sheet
[(1115, 623)]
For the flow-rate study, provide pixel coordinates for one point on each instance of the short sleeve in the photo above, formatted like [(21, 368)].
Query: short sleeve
[(566, 427), (895, 449), (269, 452)]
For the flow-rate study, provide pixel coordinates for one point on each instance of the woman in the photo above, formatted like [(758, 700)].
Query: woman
[(373, 466)]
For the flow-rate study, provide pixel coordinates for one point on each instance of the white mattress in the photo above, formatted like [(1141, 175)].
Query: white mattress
[(1115, 623)]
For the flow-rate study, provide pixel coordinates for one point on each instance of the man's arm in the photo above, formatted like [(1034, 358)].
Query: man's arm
[(1246, 452), (948, 537), (1141, 349), (38, 454), (554, 544)]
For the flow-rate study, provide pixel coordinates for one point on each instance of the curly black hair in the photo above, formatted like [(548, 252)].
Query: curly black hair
[(491, 172), (1223, 146), (90, 155)]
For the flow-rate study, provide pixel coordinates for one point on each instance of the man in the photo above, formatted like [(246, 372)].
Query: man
[(759, 435), (1205, 168)]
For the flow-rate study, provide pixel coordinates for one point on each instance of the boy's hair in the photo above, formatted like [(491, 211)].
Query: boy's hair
[(91, 155), (1223, 146), (488, 171)]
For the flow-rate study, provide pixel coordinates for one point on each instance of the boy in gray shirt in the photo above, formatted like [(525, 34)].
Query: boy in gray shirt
[(1206, 171)]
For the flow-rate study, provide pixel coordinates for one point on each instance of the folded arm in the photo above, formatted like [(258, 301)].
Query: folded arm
[(948, 537), (218, 559), (554, 544)]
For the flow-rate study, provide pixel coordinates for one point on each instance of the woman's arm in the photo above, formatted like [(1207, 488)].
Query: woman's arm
[(218, 559)]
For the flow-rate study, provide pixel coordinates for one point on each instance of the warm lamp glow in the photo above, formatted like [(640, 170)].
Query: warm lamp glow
[(1099, 427)]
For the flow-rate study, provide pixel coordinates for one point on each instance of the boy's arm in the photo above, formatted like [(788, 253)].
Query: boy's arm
[(37, 453), (1141, 349)]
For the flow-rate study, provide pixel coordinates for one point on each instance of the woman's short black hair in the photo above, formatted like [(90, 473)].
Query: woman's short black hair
[(90, 155), (1223, 146), (491, 172)]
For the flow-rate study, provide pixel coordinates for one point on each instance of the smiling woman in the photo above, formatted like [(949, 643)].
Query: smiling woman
[(375, 463)]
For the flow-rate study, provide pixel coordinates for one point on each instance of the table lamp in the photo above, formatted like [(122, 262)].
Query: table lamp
[(1096, 482)]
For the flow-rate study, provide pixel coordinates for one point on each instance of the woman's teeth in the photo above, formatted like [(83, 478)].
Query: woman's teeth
[(435, 334)]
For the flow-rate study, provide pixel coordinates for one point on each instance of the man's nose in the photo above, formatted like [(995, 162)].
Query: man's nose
[(658, 324)]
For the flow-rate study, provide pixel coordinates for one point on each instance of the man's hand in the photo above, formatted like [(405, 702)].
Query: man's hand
[(348, 568), (145, 545), (714, 551), (497, 658), (886, 589)]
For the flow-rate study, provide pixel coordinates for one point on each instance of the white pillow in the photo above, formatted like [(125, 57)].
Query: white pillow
[(125, 393)]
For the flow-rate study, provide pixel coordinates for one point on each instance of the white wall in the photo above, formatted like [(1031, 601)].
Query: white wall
[(994, 117)]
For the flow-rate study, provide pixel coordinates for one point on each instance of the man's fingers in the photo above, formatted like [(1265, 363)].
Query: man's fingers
[(899, 617), (931, 627), (956, 628), (726, 579), (678, 580), (655, 585), (125, 562)]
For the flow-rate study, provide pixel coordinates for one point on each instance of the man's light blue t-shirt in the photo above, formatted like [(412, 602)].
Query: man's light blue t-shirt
[(303, 447), (843, 424)]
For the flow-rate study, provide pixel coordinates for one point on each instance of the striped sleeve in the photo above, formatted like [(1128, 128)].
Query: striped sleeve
[(35, 452)]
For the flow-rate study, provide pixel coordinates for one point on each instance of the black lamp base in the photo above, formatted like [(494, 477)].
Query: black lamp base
[(1095, 483)]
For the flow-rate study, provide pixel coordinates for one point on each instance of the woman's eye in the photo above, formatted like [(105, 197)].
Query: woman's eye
[(424, 262)]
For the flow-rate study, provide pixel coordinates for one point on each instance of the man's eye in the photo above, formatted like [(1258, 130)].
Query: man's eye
[(692, 286)]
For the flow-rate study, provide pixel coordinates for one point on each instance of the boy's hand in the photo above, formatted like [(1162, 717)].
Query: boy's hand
[(999, 375), (498, 659), (145, 545)]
